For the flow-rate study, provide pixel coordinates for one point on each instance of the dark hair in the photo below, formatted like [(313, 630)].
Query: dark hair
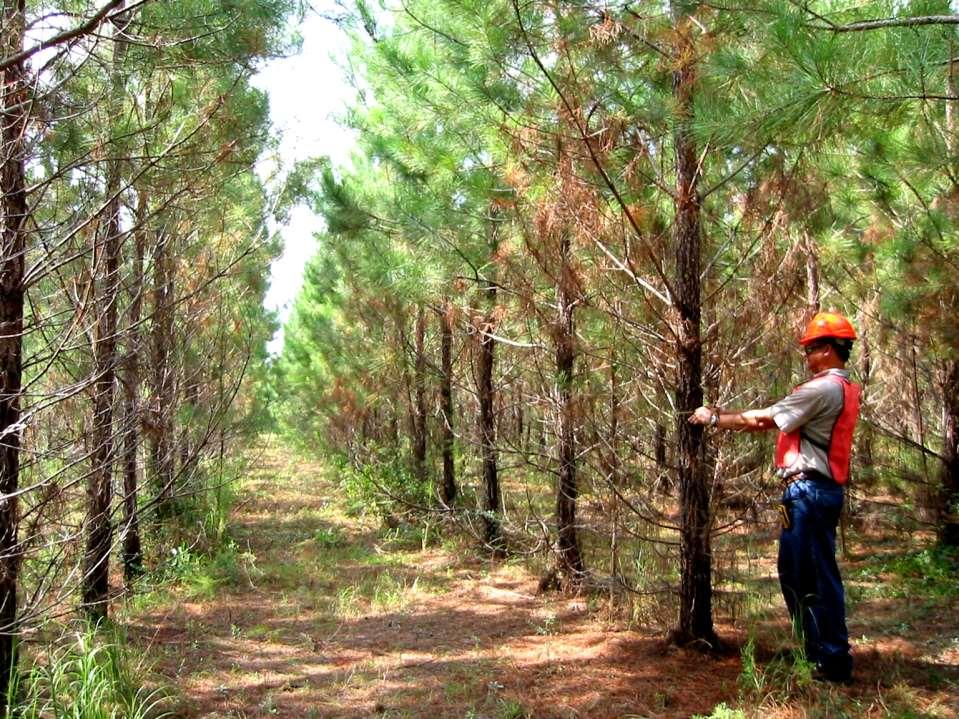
[(842, 346)]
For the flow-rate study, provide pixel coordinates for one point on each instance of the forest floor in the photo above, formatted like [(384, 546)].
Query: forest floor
[(313, 613)]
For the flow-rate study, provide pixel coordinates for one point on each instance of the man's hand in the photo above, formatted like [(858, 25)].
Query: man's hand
[(703, 415)]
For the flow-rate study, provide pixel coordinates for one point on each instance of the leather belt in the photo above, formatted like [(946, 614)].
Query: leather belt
[(811, 475)]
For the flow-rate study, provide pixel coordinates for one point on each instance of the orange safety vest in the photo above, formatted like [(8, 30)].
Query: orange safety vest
[(839, 448)]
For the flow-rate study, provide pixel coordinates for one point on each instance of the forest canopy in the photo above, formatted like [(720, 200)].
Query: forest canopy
[(568, 225)]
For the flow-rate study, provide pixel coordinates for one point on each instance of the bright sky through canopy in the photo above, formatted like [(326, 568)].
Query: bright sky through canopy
[(306, 92)]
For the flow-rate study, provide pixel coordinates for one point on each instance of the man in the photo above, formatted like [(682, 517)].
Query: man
[(815, 424)]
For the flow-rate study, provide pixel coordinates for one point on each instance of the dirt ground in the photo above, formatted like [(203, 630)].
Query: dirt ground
[(324, 618)]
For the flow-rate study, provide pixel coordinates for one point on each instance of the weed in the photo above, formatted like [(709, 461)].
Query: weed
[(456, 691), (269, 705), (384, 486), (925, 574), (549, 626), (721, 711), (511, 709), (784, 676), (85, 677), (388, 592), (752, 679), (345, 604), (329, 537), (202, 574)]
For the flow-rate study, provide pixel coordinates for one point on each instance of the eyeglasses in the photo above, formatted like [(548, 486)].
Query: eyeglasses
[(809, 349)]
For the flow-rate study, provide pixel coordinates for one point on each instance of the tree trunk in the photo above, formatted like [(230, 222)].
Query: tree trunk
[(695, 613), (447, 492), (612, 440), (161, 451), (132, 552), (812, 277), (613, 464), (569, 555), (659, 452), (487, 398), (106, 273), (949, 497), (13, 223), (99, 530), (419, 397), (864, 430)]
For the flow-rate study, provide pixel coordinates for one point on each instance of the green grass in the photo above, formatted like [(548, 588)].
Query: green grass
[(917, 575), (88, 675), (721, 711)]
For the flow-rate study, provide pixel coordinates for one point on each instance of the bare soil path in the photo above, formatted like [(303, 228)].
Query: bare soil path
[(328, 616)]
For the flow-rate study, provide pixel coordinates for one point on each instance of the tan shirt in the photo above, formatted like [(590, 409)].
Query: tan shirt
[(813, 407)]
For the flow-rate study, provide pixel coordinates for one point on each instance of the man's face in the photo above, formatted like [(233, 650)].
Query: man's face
[(817, 355)]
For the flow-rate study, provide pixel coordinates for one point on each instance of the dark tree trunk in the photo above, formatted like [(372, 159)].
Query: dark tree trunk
[(613, 463), (99, 530), (419, 396), (949, 498), (447, 491), (13, 224), (659, 452), (864, 429), (695, 613), (569, 555), (520, 417), (132, 552), (161, 445), (812, 277), (487, 399), (188, 451), (105, 273), (393, 428)]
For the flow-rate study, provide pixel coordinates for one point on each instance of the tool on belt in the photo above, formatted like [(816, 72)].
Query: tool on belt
[(784, 516)]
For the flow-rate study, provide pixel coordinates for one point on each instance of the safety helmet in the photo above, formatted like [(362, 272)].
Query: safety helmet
[(828, 324)]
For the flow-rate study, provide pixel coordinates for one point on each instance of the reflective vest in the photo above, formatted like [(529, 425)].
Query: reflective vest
[(839, 448)]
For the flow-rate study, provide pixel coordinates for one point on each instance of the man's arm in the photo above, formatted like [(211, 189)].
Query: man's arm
[(749, 420)]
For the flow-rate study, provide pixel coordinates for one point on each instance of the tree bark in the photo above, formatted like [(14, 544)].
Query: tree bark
[(695, 613), (447, 492), (812, 276), (105, 272), (567, 491), (132, 551), (949, 475), (161, 451), (864, 430), (613, 464), (13, 223), (612, 440), (491, 506), (419, 396), (659, 453)]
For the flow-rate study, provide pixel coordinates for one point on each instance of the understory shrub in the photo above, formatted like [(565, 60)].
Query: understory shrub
[(86, 676), (384, 486)]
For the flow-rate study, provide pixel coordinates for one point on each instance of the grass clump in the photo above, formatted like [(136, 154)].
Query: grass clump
[(721, 711), (786, 675), (86, 676), (202, 574), (929, 573)]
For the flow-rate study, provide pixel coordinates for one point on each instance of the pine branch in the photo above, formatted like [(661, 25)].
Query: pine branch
[(67, 35), (917, 21)]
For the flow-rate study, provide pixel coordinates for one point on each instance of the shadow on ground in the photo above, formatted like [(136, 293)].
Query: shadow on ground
[(331, 620)]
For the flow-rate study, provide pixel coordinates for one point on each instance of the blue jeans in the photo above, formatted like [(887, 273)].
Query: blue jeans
[(809, 575)]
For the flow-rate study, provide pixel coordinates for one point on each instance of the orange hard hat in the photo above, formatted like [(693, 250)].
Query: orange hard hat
[(828, 324)]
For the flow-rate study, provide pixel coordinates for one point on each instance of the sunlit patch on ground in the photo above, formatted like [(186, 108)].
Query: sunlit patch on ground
[(330, 616)]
